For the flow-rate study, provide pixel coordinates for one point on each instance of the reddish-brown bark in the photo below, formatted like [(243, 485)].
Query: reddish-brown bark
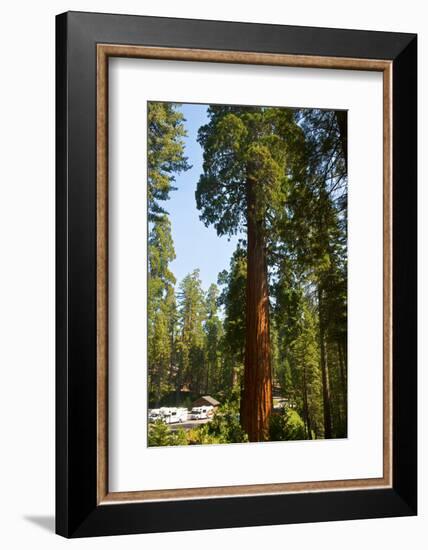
[(256, 403)]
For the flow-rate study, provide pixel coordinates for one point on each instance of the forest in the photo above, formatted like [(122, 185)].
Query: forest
[(268, 338)]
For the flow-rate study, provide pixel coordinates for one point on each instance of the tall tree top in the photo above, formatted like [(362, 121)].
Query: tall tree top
[(165, 153), (242, 143)]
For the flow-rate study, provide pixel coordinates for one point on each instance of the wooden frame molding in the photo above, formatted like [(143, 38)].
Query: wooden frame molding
[(104, 52)]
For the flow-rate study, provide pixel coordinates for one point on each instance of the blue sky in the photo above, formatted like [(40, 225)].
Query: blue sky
[(196, 246)]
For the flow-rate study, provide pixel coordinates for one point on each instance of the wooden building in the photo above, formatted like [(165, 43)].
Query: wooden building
[(206, 401)]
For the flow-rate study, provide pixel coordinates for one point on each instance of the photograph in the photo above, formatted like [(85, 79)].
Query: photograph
[(246, 273)]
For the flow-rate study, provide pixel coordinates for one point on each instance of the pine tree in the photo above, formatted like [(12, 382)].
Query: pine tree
[(191, 337), (232, 298), (213, 335), (165, 153), (165, 158)]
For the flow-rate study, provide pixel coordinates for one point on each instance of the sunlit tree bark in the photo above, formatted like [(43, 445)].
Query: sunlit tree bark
[(257, 392)]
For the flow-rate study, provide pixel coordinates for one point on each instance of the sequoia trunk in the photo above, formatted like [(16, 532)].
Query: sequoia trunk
[(256, 403)]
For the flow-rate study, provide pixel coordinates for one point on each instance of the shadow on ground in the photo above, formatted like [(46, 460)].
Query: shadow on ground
[(45, 522)]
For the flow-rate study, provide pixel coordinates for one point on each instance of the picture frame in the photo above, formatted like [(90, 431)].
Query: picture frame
[(84, 44)]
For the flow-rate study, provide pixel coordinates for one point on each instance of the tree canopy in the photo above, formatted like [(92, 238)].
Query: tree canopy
[(270, 338)]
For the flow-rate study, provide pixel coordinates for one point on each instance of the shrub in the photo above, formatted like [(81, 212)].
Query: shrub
[(161, 435), (287, 426), (225, 425), (223, 428), (201, 436)]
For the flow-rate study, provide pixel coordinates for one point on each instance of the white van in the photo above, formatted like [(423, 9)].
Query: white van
[(174, 415), (200, 413)]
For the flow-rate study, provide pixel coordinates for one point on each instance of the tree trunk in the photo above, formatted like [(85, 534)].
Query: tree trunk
[(342, 123), (342, 370), (344, 387), (257, 395), (324, 371), (306, 405), (207, 377), (158, 385)]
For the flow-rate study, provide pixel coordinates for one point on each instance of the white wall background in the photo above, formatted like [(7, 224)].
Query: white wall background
[(27, 87)]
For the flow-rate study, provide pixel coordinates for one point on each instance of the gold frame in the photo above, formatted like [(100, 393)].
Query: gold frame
[(104, 51)]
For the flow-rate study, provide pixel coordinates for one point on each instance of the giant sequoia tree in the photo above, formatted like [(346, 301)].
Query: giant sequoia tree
[(243, 185)]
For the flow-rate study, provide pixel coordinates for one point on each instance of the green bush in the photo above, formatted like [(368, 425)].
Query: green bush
[(223, 428), (201, 436), (225, 425), (287, 426), (161, 435)]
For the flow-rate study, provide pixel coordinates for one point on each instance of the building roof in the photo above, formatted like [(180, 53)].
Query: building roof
[(209, 400)]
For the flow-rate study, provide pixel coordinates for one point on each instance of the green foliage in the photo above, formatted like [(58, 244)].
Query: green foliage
[(309, 287), (296, 157), (241, 143), (165, 156), (225, 425), (191, 336), (165, 153), (304, 353), (161, 307), (161, 253), (287, 426), (223, 428), (213, 329), (232, 298), (201, 436), (161, 435)]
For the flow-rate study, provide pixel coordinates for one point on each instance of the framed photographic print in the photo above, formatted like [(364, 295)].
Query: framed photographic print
[(236, 274)]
